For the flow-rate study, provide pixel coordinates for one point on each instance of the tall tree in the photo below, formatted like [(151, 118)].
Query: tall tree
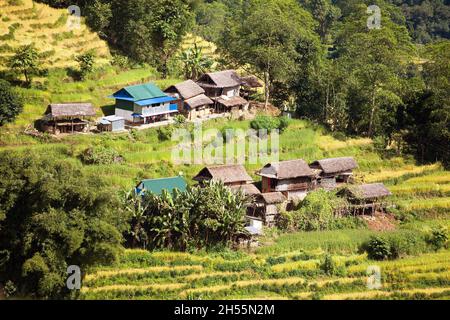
[(265, 35), (150, 31), (25, 61)]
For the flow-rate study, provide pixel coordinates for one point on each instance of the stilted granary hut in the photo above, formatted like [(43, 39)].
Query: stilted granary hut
[(332, 172), (293, 178), (366, 198), (67, 117)]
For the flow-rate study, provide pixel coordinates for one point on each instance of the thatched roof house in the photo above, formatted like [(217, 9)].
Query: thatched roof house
[(266, 206), (271, 198), (220, 79), (334, 171), (66, 118), (228, 174), (192, 100), (366, 192), (293, 178), (335, 165), (286, 169), (248, 189), (185, 90), (366, 198), (70, 110)]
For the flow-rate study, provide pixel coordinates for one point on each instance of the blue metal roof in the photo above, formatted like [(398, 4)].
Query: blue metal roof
[(147, 102)]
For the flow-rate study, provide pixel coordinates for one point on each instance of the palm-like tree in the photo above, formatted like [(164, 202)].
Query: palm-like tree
[(194, 62)]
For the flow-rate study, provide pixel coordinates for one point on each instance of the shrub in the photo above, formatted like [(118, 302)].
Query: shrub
[(10, 103), (120, 61), (395, 245), (328, 266), (275, 260), (377, 248), (86, 62), (316, 212), (179, 119), (100, 155), (164, 133), (269, 123), (438, 238)]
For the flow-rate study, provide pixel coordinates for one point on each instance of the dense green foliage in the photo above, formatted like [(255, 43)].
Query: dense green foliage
[(194, 219), (11, 103), (25, 61), (318, 212), (52, 216), (269, 123)]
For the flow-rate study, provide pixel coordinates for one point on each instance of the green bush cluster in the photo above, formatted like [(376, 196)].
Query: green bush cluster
[(395, 245), (270, 123), (100, 155), (317, 212)]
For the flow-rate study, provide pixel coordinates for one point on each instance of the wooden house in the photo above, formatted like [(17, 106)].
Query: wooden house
[(293, 178), (191, 99), (223, 88), (266, 207), (157, 186), (67, 117), (111, 123), (233, 176), (333, 172), (143, 103), (366, 198)]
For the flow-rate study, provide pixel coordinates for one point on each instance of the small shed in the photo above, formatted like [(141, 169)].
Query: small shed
[(332, 172), (230, 175), (266, 207), (156, 186), (248, 189), (111, 123), (67, 117), (366, 198)]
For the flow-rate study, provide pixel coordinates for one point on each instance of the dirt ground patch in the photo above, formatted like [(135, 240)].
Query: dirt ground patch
[(381, 222)]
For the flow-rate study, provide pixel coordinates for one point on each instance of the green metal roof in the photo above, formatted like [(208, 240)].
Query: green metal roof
[(144, 91), (156, 186)]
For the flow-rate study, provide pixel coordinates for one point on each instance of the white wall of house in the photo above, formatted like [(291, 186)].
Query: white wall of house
[(126, 114), (151, 110), (231, 92)]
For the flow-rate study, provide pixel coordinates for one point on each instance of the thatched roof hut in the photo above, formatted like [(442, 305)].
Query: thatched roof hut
[(248, 189), (335, 165), (286, 169), (186, 89), (228, 174), (70, 110), (198, 101), (271, 198), (232, 102), (220, 79), (366, 192)]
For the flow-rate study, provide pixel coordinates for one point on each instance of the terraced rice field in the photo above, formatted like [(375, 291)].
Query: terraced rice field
[(166, 275), (58, 42)]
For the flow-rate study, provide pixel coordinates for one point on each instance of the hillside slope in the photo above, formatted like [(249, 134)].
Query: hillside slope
[(46, 27)]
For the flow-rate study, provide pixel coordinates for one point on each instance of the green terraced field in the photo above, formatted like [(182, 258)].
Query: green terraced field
[(166, 275)]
